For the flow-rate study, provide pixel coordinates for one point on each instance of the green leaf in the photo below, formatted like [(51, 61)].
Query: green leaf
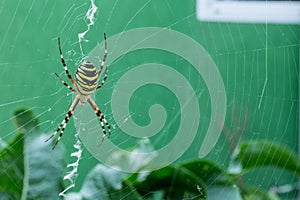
[(139, 158), (12, 169), (208, 172), (264, 153), (25, 120), (43, 168), (254, 193), (105, 183), (176, 182), (217, 192)]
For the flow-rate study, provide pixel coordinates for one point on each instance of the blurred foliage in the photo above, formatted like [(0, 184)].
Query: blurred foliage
[(30, 170), (12, 169), (266, 153), (28, 167)]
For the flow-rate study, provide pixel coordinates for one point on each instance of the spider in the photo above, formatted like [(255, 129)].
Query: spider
[(85, 84)]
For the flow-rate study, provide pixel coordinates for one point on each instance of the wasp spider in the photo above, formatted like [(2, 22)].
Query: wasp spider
[(85, 84)]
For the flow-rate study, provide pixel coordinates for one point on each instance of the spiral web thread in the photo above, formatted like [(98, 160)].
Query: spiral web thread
[(242, 68)]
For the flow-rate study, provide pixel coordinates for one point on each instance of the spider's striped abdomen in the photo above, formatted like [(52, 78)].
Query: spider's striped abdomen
[(86, 78)]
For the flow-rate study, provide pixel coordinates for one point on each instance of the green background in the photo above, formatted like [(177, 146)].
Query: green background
[(246, 54)]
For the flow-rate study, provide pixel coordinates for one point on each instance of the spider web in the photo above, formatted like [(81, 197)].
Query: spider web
[(258, 65)]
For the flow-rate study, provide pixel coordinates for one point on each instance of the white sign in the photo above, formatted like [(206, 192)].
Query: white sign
[(285, 12)]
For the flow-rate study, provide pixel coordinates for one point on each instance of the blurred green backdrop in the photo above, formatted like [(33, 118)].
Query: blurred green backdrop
[(246, 54)]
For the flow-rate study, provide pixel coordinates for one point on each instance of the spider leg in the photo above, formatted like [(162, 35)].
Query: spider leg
[(64, 63), (105, 54), (64, 83), (103, 81), (64, 122), (102, 64), (101, 118)]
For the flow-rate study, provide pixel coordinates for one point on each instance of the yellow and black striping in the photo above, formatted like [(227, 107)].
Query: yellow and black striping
[(86, 78)]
